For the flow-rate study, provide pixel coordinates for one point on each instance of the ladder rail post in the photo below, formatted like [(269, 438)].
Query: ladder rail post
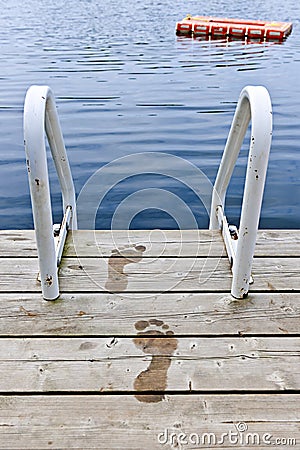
[(40, 118), (254, 104), (60, 158), (230, 155)]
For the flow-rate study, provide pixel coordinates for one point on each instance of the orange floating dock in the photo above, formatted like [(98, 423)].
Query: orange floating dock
[(218, 27)]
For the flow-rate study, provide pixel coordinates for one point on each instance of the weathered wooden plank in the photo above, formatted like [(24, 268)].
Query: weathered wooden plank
[(186, 243), (154, 243), (138, 274), (149, 363), (117, 274), (114, 314), (17, 243), (102, 243), (121, 422), (274, 243)]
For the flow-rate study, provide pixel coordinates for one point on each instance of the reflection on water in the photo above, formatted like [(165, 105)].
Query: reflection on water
[(126, 84)]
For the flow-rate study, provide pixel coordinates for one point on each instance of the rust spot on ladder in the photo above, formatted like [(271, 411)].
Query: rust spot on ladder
[(49, 280)]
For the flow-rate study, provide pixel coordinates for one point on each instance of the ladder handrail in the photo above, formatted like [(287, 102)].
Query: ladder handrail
[(255, 104), (40, 118)]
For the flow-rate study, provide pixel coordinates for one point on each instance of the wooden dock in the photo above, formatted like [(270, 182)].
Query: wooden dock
[(145, 348)]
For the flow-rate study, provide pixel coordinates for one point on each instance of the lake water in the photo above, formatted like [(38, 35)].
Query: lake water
[(125, 84)]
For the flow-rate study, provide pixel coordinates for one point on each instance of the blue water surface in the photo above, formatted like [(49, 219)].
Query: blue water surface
[(125, 84)]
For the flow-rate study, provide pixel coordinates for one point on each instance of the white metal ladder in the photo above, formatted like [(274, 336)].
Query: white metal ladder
[(40, 118), (255, 104)]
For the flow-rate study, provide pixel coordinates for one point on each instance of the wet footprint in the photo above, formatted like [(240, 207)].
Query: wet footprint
[(154, 338), (117, 279)]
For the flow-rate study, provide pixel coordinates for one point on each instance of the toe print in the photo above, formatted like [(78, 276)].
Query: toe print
[(154, 338)]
